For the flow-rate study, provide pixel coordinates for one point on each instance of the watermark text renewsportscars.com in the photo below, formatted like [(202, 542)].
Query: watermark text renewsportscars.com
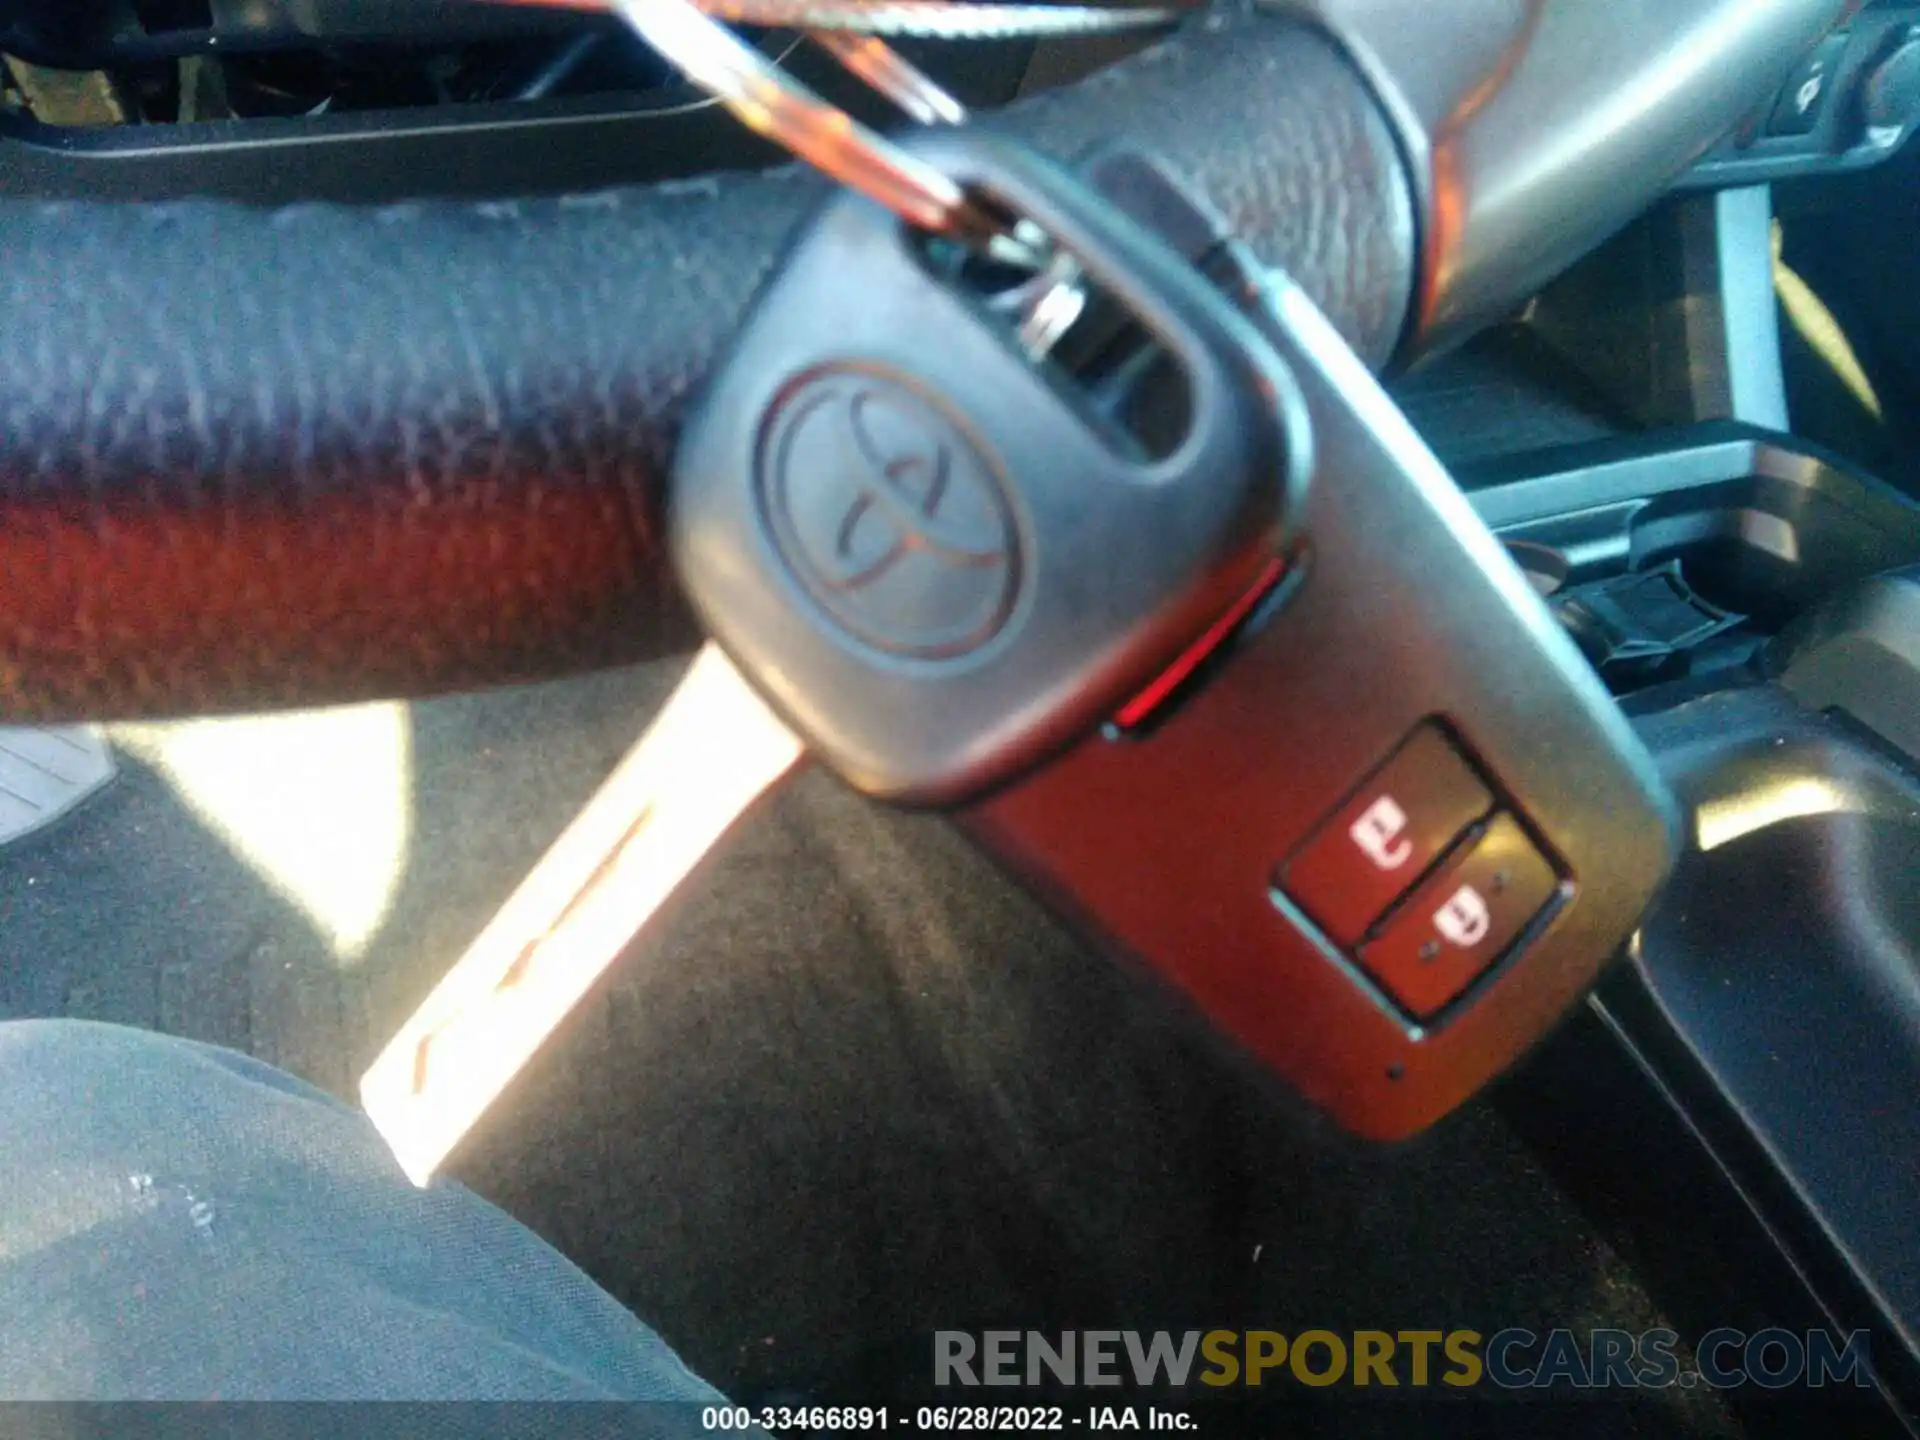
[(1509, 1359)]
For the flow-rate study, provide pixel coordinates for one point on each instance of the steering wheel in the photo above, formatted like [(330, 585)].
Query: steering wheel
[(252, 458)]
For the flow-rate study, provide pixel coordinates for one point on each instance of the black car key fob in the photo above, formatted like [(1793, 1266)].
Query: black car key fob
[(939, 559), (1184, 625)]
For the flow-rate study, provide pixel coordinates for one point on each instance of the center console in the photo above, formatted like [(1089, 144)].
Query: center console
[(1771, 1000), (1742, 1095)]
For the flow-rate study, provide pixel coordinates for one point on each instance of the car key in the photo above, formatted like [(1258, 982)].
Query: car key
[(941, 556), (1381, 837), (1357, 797)]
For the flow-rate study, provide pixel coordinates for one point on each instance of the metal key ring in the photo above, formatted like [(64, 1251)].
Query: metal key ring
[(916, 93), (926, 19), (1048, 304), (947, 19), (774, 104)]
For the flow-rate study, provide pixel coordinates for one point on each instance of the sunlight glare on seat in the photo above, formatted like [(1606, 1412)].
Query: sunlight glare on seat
[(318, 802)]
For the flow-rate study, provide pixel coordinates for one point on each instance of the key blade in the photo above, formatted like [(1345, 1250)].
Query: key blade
[(713, 751), (772, 103)]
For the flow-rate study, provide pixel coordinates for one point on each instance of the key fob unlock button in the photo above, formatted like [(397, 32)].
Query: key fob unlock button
[(1372, 849), (1453, 928)]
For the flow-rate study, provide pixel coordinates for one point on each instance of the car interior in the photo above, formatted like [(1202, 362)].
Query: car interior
[(347, 349)]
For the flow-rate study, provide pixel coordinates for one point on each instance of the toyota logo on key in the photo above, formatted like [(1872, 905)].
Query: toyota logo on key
[(889, 514)]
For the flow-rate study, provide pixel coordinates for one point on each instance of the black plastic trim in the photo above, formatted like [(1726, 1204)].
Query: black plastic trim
[(1785, 1040), (1770, 525), (544, 147)]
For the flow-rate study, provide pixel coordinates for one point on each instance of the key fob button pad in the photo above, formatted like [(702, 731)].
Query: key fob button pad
[(1382, 840)]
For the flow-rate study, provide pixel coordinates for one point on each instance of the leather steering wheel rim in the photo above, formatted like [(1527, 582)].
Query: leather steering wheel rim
[(255, 458)]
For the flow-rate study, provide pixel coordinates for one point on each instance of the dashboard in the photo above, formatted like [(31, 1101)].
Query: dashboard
[(371, 101)]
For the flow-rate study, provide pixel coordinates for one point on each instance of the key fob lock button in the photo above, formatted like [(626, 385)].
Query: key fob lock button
[(1454, 928)]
